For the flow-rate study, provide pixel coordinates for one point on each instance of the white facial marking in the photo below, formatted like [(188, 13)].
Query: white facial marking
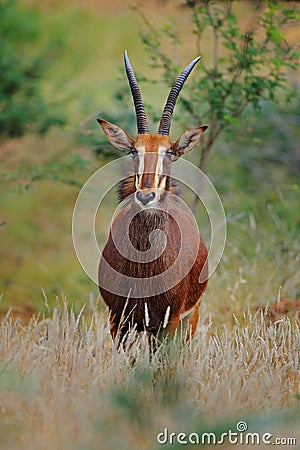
[(159, 182), (159, 165), (162, 184), (141, 152)]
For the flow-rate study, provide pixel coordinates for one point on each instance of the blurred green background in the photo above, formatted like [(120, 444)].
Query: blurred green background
[(66, 59)]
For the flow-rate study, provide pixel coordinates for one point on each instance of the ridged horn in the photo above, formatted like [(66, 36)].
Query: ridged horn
[(141, 117), (165, 123)]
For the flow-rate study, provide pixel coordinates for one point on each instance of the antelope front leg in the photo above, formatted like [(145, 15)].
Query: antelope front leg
[(189, 321)]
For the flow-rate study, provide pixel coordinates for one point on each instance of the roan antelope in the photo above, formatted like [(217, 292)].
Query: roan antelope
[(167, 297)]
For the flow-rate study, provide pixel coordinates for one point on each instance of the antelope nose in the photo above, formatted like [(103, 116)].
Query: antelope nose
[(145, 198)]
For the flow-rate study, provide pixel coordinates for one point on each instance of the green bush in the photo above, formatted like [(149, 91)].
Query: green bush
[(22, 103), (246, 67)]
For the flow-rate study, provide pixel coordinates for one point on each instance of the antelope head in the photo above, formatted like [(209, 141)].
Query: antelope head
[(152, 154)]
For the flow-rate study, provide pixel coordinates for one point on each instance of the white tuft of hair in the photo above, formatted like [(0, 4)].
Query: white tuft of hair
[(167, 315), (147, 318)]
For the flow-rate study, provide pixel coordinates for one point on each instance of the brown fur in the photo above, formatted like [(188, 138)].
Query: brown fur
[(182, 296)]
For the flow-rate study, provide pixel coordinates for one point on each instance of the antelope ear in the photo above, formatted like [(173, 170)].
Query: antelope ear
[(188, 140), (117, 136)]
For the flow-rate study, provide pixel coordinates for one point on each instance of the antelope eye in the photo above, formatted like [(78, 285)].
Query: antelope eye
[(170, 154), (133, 152)]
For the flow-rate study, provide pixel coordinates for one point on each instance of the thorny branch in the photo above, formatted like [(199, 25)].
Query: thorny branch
[(251, 67)]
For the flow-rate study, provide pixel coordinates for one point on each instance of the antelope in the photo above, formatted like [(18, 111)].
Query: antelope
[(164, 298)]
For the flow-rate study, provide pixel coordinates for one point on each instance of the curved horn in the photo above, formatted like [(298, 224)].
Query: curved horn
[(165, 123), (141, 118)]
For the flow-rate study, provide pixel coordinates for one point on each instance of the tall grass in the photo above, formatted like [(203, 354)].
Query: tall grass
[(64, 384)]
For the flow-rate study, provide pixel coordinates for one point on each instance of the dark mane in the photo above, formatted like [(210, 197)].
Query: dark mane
[(126, 188)]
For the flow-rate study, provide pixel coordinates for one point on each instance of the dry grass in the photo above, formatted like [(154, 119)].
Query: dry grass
[(64, 385)]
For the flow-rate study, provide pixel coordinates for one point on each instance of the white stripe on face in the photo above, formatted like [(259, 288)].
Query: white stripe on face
[(141, 152), (163, 182), (150, 172), (159, 165)]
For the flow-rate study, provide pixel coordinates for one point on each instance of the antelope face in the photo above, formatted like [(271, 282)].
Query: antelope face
[(152, 154), (152, 164)]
